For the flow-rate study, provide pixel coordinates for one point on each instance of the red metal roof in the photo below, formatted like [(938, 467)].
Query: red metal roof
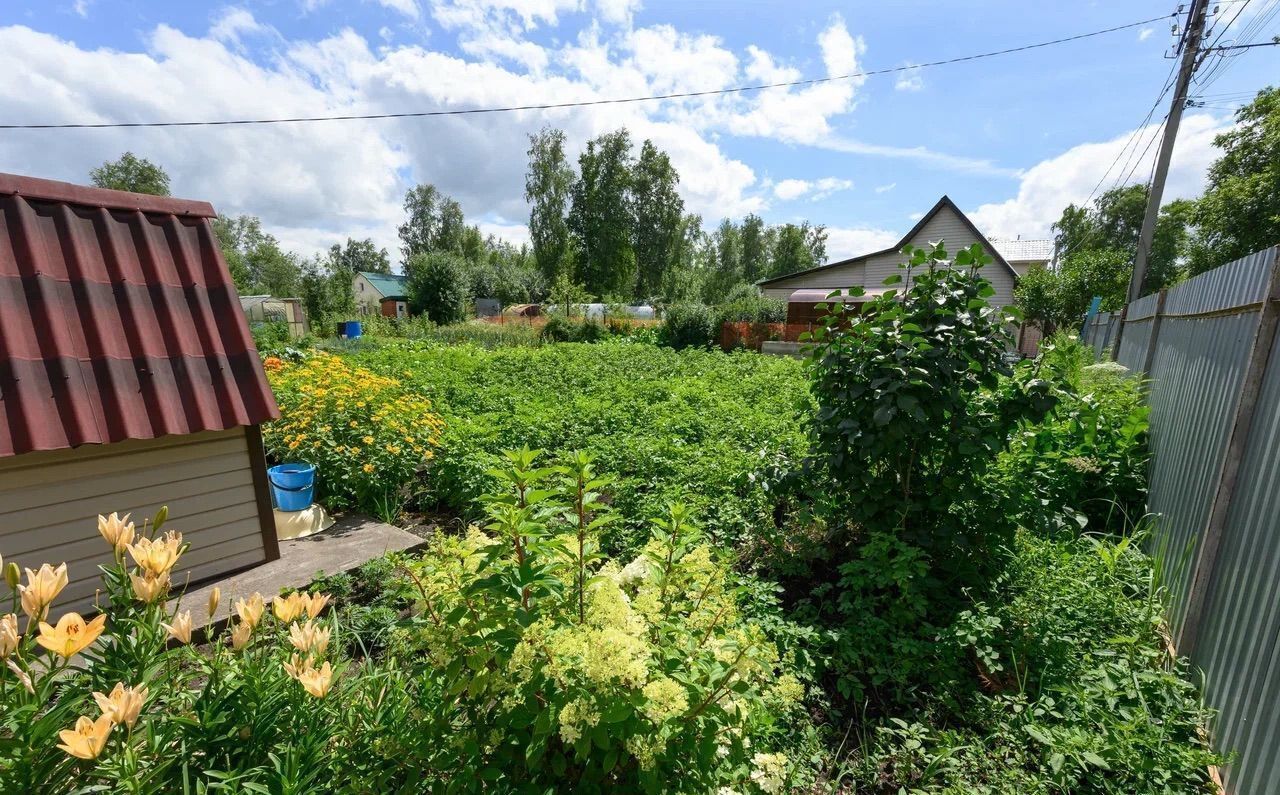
[(118, 320)]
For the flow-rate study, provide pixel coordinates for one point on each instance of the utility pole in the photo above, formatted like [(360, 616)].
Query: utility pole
[(1190, 60)]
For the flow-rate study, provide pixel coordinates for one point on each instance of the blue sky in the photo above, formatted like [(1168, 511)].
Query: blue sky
[(1012, 139)]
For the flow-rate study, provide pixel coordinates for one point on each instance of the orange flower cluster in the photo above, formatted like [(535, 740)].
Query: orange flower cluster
[(365, 433)]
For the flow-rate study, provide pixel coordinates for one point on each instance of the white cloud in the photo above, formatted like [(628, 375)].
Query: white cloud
[(232, 22), (81, 8), (1145, 34), (1049, 186), (407, 7), (790, 189), (916, 216), (617, 12), (910, 79), (886, 188), (920, 154), (845, 242)]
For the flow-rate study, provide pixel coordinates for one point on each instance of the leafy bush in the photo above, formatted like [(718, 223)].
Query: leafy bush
[(751, 309), (1089, 456), (703, 427), (914, 401), (689, 326), (1071, 688), (437, 286), (270, 335), (568, 671), (366, 434), (127, 703)]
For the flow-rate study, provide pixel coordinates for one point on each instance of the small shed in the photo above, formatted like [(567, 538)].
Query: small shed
[(270, 309), (128, 381)]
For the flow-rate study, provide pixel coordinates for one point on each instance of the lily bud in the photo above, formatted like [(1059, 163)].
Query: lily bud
[(162, 516), (215, 596), (12, 575)]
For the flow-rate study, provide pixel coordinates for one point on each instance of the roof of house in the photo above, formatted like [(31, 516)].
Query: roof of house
[(1024, 250), (118, 320), (391, 285), (943, 203)]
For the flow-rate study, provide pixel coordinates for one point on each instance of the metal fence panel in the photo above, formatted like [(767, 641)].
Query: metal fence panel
[(1196, 375), (1199, 341), (1238, 650)]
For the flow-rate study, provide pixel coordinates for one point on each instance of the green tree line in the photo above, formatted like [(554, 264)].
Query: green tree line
[(1238, 214)]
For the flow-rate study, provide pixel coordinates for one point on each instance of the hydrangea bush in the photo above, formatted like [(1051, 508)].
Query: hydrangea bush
[(566, 670)]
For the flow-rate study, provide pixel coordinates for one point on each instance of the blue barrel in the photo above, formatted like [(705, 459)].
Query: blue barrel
[(292, 486), (353, 329)]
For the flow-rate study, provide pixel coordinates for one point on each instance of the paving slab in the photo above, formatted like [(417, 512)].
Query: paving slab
[(352, 541)]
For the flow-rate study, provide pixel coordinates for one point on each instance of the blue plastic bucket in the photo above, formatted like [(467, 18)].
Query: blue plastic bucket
[(292, 486)]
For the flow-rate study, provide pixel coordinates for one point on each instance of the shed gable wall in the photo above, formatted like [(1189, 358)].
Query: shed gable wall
[(49, 503)]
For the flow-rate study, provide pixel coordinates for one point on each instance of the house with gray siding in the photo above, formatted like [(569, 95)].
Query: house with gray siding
[(944, 222)]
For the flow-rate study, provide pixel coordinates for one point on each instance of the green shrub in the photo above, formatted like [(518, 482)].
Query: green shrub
[(270, 336), (914, 401), (568, 671), (689, 326), (1070, 688), (437, 286), (1089, 457)]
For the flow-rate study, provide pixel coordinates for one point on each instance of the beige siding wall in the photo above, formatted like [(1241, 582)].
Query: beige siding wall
[(870, 273), (368, 299), (836, 278), (49, 503)]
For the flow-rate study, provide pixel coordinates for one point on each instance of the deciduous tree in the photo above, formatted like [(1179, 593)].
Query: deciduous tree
[(131, 173)]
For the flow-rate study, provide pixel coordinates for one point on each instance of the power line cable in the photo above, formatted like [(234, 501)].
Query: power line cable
[(583, 103)]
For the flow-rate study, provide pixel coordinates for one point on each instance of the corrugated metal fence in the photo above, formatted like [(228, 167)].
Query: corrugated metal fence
[(1209, 348)]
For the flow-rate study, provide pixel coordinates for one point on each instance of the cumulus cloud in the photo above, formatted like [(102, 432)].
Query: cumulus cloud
[(314, 184), (845, 242), (1048, 187), (1145, 34), (909, 79), (816, 190)]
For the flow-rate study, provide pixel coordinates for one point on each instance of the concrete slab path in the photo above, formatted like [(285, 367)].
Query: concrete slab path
[(352, 541)]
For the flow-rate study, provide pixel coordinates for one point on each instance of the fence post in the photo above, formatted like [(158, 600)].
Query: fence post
[(1207, 557), (1156, 319), (1115, 344)]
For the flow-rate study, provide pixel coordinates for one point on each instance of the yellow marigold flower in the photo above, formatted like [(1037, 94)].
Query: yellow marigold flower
[(355, 424), (9, 635), (117, 530), (293, 444), (41, 589), (250, 611), (240, 635), (87, 739), (148, 589), (368, 469), (123, 704), (181, 627), (355, 451), (157, 556), (215, 596), (367, 440), (288, 608), (309, 638), (71, 635), (317, 681), (316, 603)]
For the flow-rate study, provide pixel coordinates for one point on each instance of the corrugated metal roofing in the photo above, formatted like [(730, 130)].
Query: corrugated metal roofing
[(1024, 250), (391, 285), (118, 320)]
